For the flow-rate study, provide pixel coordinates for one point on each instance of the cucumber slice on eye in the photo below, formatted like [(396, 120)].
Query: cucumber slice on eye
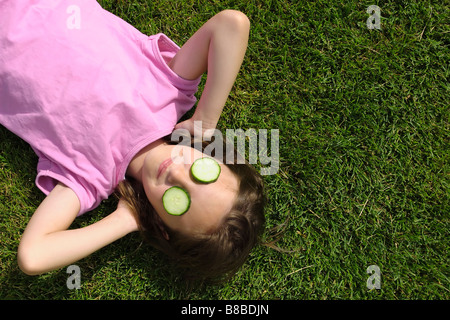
[(176, 201), (205, 170)]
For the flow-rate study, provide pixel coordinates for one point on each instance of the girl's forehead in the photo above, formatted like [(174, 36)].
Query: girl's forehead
[(207, 212)]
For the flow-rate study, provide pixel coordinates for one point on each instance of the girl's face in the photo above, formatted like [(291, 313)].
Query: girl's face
[(166, 166)]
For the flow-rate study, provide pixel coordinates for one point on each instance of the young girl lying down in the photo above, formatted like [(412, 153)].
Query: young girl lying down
[(95, 98)]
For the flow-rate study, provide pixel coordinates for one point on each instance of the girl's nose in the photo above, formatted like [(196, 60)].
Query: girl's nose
[(178, 174)]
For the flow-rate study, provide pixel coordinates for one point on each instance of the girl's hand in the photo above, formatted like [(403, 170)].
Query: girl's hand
[(128, 218), (195, 127)]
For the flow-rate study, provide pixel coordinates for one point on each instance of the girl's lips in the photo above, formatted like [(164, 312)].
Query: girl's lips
[(163, 166)]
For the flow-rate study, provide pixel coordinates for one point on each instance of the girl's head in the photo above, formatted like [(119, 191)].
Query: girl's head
[(223, 223), (168, 165)]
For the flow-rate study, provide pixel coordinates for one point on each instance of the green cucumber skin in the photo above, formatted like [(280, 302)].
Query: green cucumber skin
[(199, 179), (188, 198)]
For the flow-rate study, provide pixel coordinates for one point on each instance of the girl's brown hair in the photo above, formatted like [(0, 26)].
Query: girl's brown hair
[(215, 256)]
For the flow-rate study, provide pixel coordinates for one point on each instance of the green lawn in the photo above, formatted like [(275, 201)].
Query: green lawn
[(364, 158)]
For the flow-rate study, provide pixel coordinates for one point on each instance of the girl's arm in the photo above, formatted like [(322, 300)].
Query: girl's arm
[(47, 244), (217, 47)]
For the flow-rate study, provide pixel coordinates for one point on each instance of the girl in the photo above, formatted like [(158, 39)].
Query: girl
[(95, 98)]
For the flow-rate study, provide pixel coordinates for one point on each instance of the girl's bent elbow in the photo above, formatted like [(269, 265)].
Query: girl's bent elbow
[(27, 267), (235, 19), (27, 263)]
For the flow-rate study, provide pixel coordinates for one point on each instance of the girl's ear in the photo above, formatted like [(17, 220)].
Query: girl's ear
[(164, 233)]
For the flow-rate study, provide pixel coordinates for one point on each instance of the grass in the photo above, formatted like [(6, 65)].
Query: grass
[(364, 158)]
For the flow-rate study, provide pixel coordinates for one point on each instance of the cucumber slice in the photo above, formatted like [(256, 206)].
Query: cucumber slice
[(176, 201), (205, 170)]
